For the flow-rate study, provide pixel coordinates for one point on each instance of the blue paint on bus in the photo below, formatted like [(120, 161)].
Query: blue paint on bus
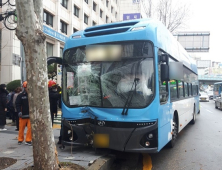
[(133, 124)]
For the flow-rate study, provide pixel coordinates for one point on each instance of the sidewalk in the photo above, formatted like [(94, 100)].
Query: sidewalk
[(56, 122), (23, 153)]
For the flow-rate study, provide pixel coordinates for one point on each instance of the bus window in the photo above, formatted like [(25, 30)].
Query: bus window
[(185, 89), (194, 88), (180, 89), (190, 90), (163, 92), (173, 89)]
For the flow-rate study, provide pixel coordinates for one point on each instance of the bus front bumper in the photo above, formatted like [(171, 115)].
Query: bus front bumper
[(143, 139)]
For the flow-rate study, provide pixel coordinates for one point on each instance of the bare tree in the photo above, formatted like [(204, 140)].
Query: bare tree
[(147, 6), (150, 4), (172, 15), (29, 32)]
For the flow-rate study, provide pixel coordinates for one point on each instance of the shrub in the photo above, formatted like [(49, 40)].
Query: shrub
[(13, 85)]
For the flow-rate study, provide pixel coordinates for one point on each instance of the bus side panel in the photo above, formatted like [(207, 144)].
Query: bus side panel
[(164, 127), (197, 104), (184, 109), (164, 135)]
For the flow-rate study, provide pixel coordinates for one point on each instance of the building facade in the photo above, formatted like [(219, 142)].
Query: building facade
[(133, 9), (61, 18), (10, 51)]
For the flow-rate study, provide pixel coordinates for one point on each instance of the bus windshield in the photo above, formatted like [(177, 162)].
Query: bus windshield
[(108, 83)]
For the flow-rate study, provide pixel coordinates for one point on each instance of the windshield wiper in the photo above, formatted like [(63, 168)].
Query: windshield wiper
[(129, 98)]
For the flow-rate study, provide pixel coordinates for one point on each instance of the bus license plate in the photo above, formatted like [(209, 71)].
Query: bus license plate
[(101, 140)]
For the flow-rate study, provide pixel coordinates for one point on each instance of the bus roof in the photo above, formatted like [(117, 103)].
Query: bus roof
[(142, 29)]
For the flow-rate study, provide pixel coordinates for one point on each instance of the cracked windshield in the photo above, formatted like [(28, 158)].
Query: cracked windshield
[(100, 76), (110, 84)]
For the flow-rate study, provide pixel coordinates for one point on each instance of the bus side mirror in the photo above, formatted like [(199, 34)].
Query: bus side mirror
[(51, 60), (164, 58), (165, 72), (199, 94)]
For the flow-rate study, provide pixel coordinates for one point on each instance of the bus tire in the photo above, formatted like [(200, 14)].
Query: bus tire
[(194, 116), (171, 144)]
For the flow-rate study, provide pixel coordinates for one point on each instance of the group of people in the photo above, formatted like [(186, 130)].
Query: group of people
[(11, 108), (20, 104)]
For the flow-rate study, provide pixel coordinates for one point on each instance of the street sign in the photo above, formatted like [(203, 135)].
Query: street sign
[(54, 34), (131, 16)]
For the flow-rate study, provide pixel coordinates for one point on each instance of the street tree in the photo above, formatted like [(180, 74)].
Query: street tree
[(30, 32), (172, 13)]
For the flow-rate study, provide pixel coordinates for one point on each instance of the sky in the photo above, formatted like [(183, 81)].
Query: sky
[(205, 15)]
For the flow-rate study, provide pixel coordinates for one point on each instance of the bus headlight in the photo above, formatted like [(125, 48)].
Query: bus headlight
[(147, 143), (150, 139), (150, 135)]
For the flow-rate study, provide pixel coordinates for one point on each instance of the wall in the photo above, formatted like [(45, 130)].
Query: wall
[(11, 45)]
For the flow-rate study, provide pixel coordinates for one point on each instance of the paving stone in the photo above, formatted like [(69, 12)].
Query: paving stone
[(23, 153)]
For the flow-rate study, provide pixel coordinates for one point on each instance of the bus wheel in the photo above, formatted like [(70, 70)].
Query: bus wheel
[(174, 133), (194, 116)]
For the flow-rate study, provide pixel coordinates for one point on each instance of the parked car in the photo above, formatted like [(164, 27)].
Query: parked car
[(203, 97), (218, 102), (210, 94)]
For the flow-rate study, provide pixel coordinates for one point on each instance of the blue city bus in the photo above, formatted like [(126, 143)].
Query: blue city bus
[(217, 90), (128, 86)]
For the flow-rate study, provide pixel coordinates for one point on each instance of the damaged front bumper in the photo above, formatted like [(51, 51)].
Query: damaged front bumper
[(121, 136)]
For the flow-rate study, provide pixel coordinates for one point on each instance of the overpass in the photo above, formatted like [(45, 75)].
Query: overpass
[(209, 79)]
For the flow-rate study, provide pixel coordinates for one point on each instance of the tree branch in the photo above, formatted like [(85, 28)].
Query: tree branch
[(38, 8)]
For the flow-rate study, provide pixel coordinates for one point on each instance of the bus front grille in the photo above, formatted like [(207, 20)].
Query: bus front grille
[(109, 29)]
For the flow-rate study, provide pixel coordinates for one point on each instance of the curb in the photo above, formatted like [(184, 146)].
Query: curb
[(103, 163)]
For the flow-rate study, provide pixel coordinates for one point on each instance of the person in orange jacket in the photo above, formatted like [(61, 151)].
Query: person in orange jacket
[(22, 107)]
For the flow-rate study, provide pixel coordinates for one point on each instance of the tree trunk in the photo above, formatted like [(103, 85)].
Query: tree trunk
[(29, 32)]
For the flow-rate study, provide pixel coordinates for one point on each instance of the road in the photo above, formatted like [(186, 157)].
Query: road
[(198, 147)]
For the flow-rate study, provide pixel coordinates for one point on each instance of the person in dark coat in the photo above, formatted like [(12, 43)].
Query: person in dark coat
[(53, 99), (10, 107), (3, 106), (18, 90)]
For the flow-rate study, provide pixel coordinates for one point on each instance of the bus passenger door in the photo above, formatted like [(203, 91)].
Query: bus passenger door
[(55, 60), (164, 123)]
